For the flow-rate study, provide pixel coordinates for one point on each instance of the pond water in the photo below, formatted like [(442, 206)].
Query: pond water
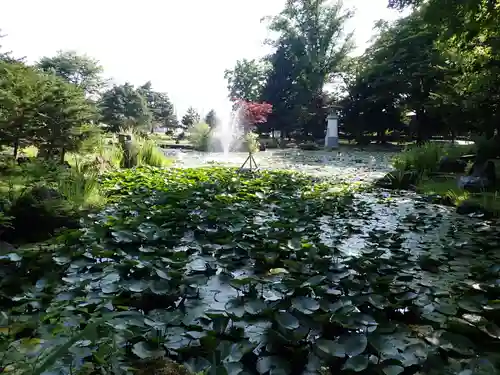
[(443, 246), (350, 165)]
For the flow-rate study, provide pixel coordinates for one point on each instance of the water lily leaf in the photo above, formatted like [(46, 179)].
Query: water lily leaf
[(233, 368), (277, 271), (162, 274), (353, 344), (457, 343), (255, 306), (434, 316), (446, 308), (141, 350), (377, 301), (313, 281), (269, 363), (356, 364), (470, 305), (287, 320), (331, 348), (491, 330), (393, 370), (123, 236), (305, 305), (138, 286), (110, 278), (109, 288), (294, 244)]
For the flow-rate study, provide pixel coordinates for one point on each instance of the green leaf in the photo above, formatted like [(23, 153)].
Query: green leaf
[(313, 281), (354, 344), (356, 364), (294, 244), (393, 370), (142, 351), (331, 348), (255, 306), (305, 305), (162, 274), (287, 320)]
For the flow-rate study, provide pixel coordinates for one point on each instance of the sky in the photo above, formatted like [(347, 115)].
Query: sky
[(181, 46)]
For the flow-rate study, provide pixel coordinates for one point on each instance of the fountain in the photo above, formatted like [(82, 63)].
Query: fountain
[(228, 135)]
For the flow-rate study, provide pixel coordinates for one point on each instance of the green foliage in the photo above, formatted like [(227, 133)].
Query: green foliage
[(251, 142), (79, 70), (246, 80), (150, 154), (190, 118), (161, 107), (199, 136), (211, 118), (40, 109), (229, 272), (425, 159), (124, 107)]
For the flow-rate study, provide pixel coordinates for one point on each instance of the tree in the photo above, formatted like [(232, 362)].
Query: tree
[(211, 118), (246, 80), (123, 106), (283, 89), (162, 109), (20, 92), (313, 31), (80, 70), (190, 118), (63, 111)]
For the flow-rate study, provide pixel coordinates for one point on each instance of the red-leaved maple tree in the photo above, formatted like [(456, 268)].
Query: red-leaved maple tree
[(254, 113)]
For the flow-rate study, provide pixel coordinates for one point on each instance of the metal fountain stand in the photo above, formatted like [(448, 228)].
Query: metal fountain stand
[(250, 159)]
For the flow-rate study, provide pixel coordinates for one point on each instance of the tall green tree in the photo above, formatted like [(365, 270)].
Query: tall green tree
[(319, 46), (80, 70), (162, 109), (211, 118), (246, 80), (20, 94), (123, 106), (64, 111), (190, 118)]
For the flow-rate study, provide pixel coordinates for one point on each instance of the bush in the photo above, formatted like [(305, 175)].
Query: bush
[(38, 213), (150, 154), (251, 142), (199, 136), (425, 159)]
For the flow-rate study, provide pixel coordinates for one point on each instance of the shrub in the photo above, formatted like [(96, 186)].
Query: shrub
[(199, 136), (251, 142), (150, 154), (425, 159), (38, 213)]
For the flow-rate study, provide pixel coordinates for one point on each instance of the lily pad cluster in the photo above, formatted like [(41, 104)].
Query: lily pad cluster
[(231, 273)]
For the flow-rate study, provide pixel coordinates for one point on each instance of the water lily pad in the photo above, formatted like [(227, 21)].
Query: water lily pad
[(393, 370), (287, 320), (356, 364), (354, 344), (255, 306), (143, 351), (305, 305), (331, 348)]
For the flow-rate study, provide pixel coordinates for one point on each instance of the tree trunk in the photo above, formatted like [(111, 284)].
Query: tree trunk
[(16, 147), (63, 153)]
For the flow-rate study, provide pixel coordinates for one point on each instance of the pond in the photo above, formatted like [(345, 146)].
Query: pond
[(350, 165), (272, 273)]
